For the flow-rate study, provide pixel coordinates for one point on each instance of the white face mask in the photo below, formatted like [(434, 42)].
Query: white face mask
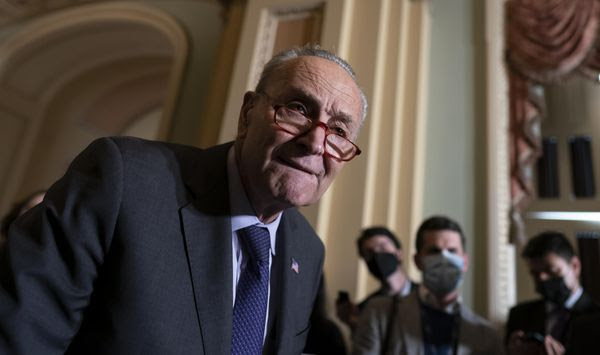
[(442, 272)]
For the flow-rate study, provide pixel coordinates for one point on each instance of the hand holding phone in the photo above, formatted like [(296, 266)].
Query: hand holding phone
[(534, 337)]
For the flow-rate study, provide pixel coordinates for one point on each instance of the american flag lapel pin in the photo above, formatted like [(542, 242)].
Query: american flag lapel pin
[(295, 266)]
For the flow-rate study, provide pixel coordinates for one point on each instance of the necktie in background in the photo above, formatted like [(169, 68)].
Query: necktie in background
[(250, 307)]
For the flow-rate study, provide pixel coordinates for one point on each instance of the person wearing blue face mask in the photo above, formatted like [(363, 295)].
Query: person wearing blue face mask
[(555, 270), (433, 320), (382, 252)]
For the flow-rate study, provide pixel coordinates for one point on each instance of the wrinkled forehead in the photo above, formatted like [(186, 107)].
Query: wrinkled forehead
[(319, 79)]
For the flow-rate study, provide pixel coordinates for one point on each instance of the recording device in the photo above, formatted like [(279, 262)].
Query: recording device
[(343, 297)]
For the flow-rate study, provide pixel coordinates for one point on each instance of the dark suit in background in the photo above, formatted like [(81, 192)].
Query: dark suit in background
[(531, 316), (585, 335), (130, 253)]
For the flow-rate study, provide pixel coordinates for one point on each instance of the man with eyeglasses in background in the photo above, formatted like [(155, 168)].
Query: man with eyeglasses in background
[(154, 248)]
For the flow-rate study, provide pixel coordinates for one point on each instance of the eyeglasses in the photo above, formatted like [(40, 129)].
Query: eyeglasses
[(296, 123)]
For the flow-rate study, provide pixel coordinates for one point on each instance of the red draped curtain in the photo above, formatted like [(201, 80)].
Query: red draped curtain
[(546, 41)]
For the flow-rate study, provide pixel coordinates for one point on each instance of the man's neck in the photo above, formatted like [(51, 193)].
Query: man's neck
[(267, 217), (446, 300), (265, 212), (395, 282), (447, 303)]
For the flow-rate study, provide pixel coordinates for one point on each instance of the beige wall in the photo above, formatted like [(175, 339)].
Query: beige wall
[(455, 134), (203, 23)]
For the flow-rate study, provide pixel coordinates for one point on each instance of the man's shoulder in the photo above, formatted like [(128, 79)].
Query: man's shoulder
[(586, 304), (383, 303), (139, 154), (469, 315), (479, 332), (300, 226), (370, 297), (144, 147)]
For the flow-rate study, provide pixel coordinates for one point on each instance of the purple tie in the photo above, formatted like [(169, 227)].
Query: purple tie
[(250, 307)]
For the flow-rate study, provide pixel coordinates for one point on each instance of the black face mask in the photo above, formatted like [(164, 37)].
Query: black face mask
[(553, 290), (382, 265)]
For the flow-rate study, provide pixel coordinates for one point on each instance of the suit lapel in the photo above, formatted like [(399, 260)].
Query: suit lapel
[(294, 289), (583, 304), (206, 226), (410, 311), (283, 285), (466, 333)]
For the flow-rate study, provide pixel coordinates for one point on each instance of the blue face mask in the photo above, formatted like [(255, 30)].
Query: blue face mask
[(442, 272)]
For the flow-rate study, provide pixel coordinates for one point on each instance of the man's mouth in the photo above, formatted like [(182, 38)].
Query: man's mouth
[(297, 166)]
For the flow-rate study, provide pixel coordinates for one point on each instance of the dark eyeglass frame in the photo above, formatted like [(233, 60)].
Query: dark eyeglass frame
[(313, 125)]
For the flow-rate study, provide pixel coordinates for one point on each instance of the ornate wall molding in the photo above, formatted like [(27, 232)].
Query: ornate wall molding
[(500, 276), (45, 33)]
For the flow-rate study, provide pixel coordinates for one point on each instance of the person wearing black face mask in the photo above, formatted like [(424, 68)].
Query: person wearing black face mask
[(433, 320), (382, 252), (555, 270)]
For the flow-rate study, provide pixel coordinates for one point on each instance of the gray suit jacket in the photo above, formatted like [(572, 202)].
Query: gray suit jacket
[(476, 336), (130, 253)]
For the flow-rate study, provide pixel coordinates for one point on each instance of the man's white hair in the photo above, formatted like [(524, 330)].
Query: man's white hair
[(314, 51)]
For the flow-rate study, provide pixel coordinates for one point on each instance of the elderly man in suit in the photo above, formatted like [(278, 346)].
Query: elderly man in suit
[(432, 320), (544, 325), (155, 248)]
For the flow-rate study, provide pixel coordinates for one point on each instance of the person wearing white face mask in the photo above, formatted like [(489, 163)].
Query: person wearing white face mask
[(433, 320)]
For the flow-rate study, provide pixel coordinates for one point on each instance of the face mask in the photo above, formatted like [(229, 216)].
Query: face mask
[(382, 265), (553, 290), (442, 273)]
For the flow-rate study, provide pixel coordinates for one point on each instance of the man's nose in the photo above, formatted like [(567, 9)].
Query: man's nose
[(314, 138), (543, 276)]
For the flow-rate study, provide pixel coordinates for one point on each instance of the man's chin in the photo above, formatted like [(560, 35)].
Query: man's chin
[(297, 198)]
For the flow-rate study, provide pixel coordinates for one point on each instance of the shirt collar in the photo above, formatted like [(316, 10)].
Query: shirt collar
[(569, 303), (242, 213), (427, 298), (406, 288)]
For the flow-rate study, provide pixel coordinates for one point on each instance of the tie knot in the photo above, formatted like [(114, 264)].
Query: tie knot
[(257, 242)]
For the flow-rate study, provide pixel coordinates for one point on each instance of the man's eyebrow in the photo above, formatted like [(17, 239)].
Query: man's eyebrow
[(303, 95), (342, 117), (309, 98)]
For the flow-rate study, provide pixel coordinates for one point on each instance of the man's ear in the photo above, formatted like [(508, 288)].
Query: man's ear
[(417, 260), (576, 265), (400, 256), (250, 98)]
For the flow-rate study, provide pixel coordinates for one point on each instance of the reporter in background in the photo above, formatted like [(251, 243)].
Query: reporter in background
[(382, 252), (544, 325), (432, 320)]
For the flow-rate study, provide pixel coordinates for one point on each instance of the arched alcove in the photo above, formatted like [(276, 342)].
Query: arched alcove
[(80, 73)]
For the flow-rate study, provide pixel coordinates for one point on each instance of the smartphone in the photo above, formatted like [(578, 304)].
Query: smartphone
[(534, 337), (343, 296)]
